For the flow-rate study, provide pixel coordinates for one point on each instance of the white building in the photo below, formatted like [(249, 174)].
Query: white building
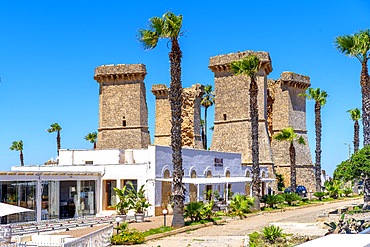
[(82, 182)]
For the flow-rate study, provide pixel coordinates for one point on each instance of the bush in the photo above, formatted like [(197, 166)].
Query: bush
[(194, 210), (319, 195), (240, 205), (347, 191), (272, 200), (131, 236), (291, 198), (272, 232), (207, 212)]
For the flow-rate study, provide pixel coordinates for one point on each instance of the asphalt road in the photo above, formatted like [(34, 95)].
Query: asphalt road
[(233, 232)]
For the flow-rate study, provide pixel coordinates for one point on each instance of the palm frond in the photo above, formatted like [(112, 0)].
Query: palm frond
[(355, 114), (148, 39), (172, 25), (301, 140), (247, 66)]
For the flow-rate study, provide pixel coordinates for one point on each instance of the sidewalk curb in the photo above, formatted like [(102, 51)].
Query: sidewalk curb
[(183, 229)]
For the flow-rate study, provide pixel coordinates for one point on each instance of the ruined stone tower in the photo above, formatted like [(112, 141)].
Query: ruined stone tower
[(123, 112), (288, 109), (190, 115), (232, 126)]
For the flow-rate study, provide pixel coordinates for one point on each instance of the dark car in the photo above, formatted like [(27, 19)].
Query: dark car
[(301, 190)]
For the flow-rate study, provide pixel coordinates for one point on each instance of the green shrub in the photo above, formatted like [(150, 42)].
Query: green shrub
[(272, 200), (207, 212), (291, 198), (194, 210), (122, 227), (272, 232), (255, 240), (319, 195), (240, 205), (347, 191), (131, 236)]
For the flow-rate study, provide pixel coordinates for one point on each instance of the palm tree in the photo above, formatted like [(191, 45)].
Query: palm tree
[(319, 96), (358, 45), (91, 137), (355, 116), (169, 27), (249, 66), (18, 146), (208, 99), (290, 136), (55, 128)]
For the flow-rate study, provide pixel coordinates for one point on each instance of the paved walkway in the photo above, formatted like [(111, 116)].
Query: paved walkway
[(233, 232)]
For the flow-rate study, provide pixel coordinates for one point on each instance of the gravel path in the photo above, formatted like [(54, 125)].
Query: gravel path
[(233, 232)]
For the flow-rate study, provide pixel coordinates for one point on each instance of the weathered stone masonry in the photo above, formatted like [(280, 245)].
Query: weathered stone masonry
[(190, 114), (289, 110), (123, 112), (232, 126)]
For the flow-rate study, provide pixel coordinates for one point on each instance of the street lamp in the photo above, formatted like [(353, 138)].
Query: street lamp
[(164, 212), (349, 149), (118, 220)]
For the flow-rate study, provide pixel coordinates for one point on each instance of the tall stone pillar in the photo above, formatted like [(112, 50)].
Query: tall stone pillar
[(289, 110), (190, 127), (123, 111), (232, 125)]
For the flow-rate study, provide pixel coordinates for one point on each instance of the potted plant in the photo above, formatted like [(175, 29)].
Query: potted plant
[(140, 203), (125, 202)]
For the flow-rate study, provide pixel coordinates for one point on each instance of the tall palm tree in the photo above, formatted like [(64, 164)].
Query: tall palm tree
[(355, 116), (18, 146), (249, 67), (169, 27), (358, 45), (55, 128), (92, 137), (290, 136), (208, 99), (319, 96)]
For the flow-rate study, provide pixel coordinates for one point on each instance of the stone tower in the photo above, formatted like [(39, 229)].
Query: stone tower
[(289, 110), (232, 126), (123, 112), (190, 115)]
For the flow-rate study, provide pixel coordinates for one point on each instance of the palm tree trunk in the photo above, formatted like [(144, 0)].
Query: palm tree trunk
[(256, 182), (293, 171), (205, 128), (21, 157), (365, 89), (94, 145), (318, 126), (58, 141), (176, 140), (366, 205), (356, 137)]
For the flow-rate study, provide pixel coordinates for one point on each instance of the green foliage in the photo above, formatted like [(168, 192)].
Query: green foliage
[(272, 232), (17, 145), (358, 166), (280, 182), (255, 239), (291, 198), (316, 94), (319, 195), (140, 203), (193, 210), (161, 229), (247, 66), (333, 188), (273, 200), (198, 211), (240, 205), (122, 227), (131, 236), (347, 191), (217, 195), (289, 135), (125, 201)]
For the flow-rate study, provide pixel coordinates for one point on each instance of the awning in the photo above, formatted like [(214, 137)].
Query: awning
[(216, 180)]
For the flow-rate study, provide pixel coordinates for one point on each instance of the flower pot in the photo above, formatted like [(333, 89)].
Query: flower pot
[(139, 217), (122, 217)]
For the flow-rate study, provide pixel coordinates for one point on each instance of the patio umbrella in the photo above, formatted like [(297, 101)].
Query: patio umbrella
[(7, 209)]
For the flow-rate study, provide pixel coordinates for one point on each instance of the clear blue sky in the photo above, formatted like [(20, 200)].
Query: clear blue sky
[(49, 49)]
